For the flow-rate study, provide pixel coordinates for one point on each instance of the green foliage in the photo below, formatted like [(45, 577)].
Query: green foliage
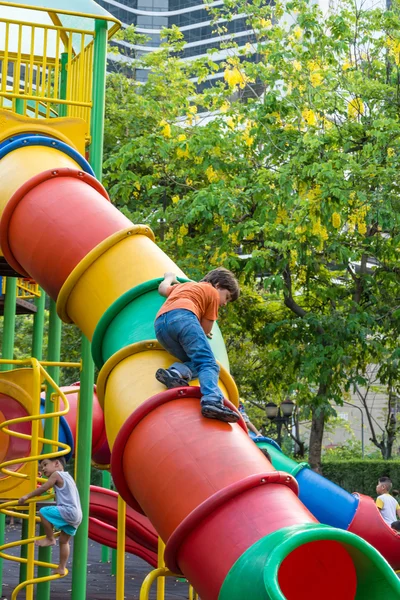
[(361, 475), (292, 184), (350, 450), (70, 344)]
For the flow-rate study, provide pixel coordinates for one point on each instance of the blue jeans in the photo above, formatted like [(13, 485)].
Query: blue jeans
[(180, 333)]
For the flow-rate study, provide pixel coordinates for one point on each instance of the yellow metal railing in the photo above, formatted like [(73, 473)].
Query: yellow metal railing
[(39, 374), (47, 64), (159, 575), (26, 288)]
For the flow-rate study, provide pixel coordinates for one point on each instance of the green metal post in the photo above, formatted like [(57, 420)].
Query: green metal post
[(37, 352), (106, 483), (63, 108), (98, 97), (53, 354), (83, 468), (38, 326), (2, 540), (9, 321), (113, 562), (7, 352), (84, 450)]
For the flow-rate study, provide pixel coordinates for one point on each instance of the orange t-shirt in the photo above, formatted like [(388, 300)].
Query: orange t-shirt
[(202, 299)]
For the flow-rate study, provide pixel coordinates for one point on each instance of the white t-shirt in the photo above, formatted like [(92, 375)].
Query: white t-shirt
[(388, 506)]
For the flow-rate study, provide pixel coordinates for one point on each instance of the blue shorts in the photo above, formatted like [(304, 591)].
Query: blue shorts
[(52, 514)]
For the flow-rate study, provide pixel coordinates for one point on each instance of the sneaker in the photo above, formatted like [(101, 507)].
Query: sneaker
[(219, 412), (171, 378)]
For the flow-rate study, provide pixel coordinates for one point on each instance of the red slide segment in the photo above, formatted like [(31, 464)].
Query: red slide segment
[(206, 487), (368, 524), (107, 535), (104, 507), (50, 202)]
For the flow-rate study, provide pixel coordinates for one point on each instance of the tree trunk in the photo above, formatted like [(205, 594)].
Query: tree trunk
[(316, 435)]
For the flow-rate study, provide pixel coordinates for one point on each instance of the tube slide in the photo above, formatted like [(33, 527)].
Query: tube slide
[(141, 537), (232, 524), (105, 534), (332, 505)]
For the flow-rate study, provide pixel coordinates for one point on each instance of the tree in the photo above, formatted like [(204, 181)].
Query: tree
[(383, 432), (286, 172)]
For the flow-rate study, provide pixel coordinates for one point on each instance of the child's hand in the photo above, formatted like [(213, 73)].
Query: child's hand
[(170, 277), (23, 500)]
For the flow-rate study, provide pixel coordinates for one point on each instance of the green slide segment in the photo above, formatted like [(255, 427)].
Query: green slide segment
[(255, 574), (130, 319), (282, 462)]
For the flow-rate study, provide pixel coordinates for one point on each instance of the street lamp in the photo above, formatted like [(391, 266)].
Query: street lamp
[(280, 415)]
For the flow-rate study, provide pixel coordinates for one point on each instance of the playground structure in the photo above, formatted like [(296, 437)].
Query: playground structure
[(232, 524)]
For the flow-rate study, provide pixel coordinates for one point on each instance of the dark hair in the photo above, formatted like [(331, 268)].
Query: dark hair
[(395, 525), (266, 454), (61, 460), (386, 481), (224, 279), (395, 493)]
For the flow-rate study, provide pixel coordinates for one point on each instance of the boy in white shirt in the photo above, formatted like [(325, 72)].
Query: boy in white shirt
[(389, 507)]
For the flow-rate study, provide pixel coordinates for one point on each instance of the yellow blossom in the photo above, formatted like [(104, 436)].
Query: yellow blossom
[(234, 77), (137, 185), (336, 220), (362, 228), (265, 23), (183, 230), (297, 32), (309, 117), (192, 109), (355, 108), (394, 50), (216, 151), (212, 175), (198, 160), (234, 239), (319, 230), (281, 216), (296, 65), (390, 152), (165, 129), (230, 122), (189, 181), (182, 152), (225, 106), (247, 47), (248, 139), (175, 199), (316, 78), (346, 65), (225, 227), (179, 240), (181, 137)]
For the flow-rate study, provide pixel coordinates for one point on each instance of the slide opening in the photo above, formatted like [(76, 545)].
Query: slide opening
[(321, 569)]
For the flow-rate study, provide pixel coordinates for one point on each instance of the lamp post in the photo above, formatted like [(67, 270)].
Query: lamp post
[(280, 415)]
